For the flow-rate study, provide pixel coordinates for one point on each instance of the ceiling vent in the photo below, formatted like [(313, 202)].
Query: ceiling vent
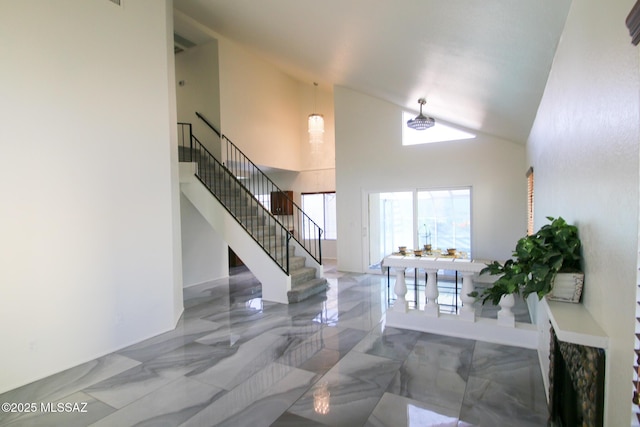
[(180, 44)]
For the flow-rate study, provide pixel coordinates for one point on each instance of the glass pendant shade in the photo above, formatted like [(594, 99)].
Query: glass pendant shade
[(421, 122), (316, 123), (316, 128)]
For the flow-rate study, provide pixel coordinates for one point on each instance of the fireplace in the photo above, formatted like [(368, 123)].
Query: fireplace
[(576, 384)]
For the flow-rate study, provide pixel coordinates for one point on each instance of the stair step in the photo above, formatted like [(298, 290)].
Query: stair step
[(264, 230), (272, 244), (236, 200), (225, 188), (250, 220), (296, 262), (281, 253), (307, 289), (279, 246), (302, 275), (250, 215), (244, 211), (266, 235)]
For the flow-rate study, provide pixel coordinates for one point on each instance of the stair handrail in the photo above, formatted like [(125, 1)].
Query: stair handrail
[(208, 123), (208, 166), (303, 229)]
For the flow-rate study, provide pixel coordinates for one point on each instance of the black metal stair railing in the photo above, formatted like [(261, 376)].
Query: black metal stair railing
[(259, 223), (303, 229)]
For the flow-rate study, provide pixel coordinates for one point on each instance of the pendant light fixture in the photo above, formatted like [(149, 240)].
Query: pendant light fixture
[(421, 122), (316, 122)]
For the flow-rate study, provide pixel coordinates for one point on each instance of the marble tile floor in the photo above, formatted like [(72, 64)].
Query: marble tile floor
[(235, 360)]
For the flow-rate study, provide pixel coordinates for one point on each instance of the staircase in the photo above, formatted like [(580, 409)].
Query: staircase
[(275, 251)]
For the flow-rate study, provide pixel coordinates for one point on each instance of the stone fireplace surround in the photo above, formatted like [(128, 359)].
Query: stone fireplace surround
[(576, 384), (572, 358)]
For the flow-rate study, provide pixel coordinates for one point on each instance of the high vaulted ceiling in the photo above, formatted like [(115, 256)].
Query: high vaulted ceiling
[(482, 65)]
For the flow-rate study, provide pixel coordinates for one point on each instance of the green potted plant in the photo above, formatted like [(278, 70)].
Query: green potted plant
[(545, 263), (512, 275)]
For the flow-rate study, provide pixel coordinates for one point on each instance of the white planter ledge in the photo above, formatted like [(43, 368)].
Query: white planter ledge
[(574, 324)]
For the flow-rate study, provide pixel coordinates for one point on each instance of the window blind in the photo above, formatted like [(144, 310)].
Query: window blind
[(530, 229)]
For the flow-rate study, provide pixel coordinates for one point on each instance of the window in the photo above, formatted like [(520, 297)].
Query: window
[(444, 219), (438, 133), (390, 223), (321, 208), (440, 217), (265, 200)]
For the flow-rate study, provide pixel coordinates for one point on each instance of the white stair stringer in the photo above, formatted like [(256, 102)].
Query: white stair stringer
[(275, 282)]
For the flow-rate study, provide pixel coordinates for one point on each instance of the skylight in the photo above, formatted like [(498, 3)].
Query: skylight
[(438, 133)]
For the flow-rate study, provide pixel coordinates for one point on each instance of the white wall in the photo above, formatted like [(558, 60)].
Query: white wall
[(584, 150), (88, 174), (204, 254), (174, 171), (197, 69), (370, 157), (259, 108)]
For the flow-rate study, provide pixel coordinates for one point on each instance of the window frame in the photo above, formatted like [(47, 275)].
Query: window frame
[(373, 252), (324, 212)]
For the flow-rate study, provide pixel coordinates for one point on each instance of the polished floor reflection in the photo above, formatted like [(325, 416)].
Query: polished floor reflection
[(235, 360)]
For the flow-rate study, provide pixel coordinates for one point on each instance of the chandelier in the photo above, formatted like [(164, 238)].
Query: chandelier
[(316, 123), (322, 399), (421, 122)]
